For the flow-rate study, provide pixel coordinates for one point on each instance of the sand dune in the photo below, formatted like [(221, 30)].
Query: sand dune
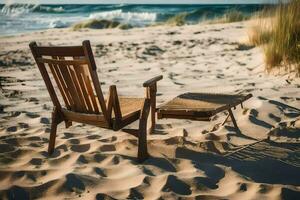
[(188, 159)]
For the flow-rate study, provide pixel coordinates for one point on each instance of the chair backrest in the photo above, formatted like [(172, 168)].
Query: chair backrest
[(73, 70)]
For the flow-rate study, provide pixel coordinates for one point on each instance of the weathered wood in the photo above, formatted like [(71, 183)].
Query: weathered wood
[(56, 119), (152, 95), (91, 62), (62, 62), (93, 119), (79, 89), (142, 136), (84, 90), (178, 116), (45, 76), (59, 51), (152, 81), (87, 80), (128, 119), (116, 108), (233, 119), (198, 111), (66, 71), (60, 85), (110, 102)]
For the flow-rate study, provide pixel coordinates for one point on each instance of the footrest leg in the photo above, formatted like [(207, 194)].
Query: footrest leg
[(225, 119), (233, 120)]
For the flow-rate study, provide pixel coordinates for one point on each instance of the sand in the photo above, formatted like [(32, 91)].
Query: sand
[(189, 159)]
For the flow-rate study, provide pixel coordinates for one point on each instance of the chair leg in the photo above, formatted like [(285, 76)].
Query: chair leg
[(142, 137), (151, 94), (53, 132), (233, 120), (153, 110)]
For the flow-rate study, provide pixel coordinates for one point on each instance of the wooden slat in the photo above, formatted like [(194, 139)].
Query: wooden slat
[(45, 76), (70, 85), (90, 90), (80, 75), (177, 116), (79, 89), (60, 86), (93, 72), (93, 119), (59, 51), (109, 105), (116, 104), (63, 84), (65, 87), (200, 113), (62, 62)]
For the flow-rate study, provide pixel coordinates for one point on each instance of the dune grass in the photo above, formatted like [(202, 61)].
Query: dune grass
[(100, 24), (234, 16), (280, 37), (230, 17), (177, 20)]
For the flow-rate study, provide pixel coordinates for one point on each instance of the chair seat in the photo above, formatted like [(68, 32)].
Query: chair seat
[(199, 106), (130, 105)]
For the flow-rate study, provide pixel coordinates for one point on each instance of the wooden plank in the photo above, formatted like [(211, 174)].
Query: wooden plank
[(116, 104), (152, 81), (142, 137), (92, 119), (60, 86), (191, 117), (153, 90), (80, 75), (45, 76), (126, 120), (187, 113), (71, 87), (59, 51), (109, 105), (90, 90), (65, 88), (63, 62), (79, 89), (93, 72)]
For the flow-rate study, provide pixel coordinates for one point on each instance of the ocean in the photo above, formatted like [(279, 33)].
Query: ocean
[(21, 18)]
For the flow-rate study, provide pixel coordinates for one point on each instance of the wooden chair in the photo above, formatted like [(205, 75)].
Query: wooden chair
[(73, 70)]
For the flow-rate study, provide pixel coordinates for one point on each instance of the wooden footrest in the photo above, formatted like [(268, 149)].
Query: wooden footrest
[(199, 106)]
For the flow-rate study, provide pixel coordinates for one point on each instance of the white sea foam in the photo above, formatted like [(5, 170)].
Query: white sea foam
[(131, 17), (17, 10), (57, 24)]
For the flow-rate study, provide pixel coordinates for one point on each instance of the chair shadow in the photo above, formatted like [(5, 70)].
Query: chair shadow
[(264, 162)]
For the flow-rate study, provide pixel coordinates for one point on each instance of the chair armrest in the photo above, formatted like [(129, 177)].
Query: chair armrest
[(152, 81)]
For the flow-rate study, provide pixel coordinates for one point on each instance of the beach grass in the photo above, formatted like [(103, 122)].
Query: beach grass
[(230, 16), (234, 16), (96, 24), (280, 37), (177, 20)]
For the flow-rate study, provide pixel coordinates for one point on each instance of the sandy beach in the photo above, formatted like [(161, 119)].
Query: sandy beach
[(189, 159)]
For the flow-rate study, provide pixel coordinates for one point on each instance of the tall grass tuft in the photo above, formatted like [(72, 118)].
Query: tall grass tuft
[(281, 37), (177, 20), (230, 16), (234, 16), (96, 24)]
